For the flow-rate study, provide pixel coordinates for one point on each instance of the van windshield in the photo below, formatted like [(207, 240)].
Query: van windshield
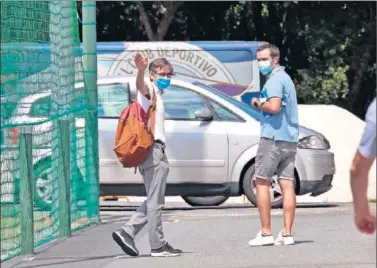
[(252, 111)]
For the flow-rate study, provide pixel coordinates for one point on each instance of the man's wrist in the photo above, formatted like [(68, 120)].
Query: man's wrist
[(361, 205)]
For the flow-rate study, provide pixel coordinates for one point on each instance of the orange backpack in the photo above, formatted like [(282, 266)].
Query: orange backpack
[(133, 139)]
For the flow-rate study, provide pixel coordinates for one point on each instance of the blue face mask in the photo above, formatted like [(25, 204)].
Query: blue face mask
[(265, 70), (162, 82), (265, 67)]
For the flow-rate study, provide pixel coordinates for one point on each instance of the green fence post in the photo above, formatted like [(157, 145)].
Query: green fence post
[(91, 115), (64, 180), (62, 73), (26, 193)]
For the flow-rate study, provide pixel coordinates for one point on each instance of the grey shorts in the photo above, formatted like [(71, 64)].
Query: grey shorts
[(275, 157)]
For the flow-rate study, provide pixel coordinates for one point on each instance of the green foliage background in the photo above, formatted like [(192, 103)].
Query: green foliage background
[(329, 48)]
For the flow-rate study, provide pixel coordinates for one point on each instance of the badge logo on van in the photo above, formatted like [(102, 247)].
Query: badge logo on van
[(189, 61)]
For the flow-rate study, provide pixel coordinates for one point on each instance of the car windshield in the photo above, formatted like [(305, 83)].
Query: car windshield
[(252, 111)]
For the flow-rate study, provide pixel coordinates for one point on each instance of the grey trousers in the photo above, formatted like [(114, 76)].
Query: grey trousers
[(154, 170)]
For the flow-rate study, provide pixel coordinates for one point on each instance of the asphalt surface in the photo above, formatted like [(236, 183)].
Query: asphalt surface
[(217, 238)]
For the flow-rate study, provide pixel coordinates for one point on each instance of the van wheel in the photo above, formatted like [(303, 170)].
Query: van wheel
[(201, 201), (250, 189)]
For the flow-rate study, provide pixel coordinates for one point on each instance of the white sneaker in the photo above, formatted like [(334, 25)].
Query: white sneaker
[(262, 240), (284, 240)]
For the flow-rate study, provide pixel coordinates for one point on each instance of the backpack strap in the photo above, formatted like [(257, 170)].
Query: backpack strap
[(152, 108), (122, 120)]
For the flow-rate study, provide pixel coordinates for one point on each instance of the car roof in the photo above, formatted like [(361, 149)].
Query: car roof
[(132, 79), (112, 79), (26, 102)]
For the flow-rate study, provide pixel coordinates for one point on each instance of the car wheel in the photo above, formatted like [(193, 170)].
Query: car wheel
[(43, 185), (250, 189), (201, 201)]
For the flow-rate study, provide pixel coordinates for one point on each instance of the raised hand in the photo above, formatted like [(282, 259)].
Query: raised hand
[(141, 61)]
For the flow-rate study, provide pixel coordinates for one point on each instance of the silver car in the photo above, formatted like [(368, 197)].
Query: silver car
[(212, 141)]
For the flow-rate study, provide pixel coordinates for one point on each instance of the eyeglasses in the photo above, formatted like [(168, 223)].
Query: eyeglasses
[(167, 75)]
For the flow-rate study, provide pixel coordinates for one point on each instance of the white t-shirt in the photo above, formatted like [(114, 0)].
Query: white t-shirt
[(367, 146), (159, 129)]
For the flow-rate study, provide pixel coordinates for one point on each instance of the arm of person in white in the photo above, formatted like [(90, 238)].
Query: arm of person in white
[(363, 160), (143, 101), (141, 63)]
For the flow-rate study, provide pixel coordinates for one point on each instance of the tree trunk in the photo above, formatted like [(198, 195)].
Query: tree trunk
[(164, 23)]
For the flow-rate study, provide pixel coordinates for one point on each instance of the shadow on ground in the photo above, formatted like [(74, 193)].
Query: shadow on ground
[(60, 260)]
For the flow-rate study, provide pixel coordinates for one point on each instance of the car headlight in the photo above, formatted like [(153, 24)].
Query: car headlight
[(313, 142)]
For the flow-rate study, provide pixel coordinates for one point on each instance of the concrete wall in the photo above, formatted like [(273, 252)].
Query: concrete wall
[(343, 130)]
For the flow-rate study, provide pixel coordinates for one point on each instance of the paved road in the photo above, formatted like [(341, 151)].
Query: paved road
[(217, 238)]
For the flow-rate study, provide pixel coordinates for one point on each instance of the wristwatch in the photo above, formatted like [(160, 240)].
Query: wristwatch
[(261, 101)]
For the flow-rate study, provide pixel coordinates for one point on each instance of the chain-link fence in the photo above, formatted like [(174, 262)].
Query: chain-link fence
[(49, 181)]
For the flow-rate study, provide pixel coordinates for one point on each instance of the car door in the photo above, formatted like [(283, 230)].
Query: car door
[(197, 150), (112, 99), (240, 133)]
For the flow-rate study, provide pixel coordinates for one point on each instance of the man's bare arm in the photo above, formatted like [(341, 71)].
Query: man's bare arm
[(272, 106), (140, 83), (141, 63), (359, 180)]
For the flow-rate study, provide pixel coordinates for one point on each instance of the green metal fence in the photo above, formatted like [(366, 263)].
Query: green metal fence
[(49, 151)]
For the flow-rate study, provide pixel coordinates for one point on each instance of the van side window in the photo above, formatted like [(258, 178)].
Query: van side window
[(112, 99)]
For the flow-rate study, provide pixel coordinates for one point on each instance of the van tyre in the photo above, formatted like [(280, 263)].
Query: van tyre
[(249, 189), (202, 201)]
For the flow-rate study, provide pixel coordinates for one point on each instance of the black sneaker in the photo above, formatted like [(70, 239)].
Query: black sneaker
[(166, 251), (126, 242)]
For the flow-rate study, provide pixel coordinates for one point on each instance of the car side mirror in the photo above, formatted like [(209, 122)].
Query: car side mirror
[(204, 114)]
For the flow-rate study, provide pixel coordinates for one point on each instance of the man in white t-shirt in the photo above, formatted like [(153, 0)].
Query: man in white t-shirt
[(365, 218), (155, 168)]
